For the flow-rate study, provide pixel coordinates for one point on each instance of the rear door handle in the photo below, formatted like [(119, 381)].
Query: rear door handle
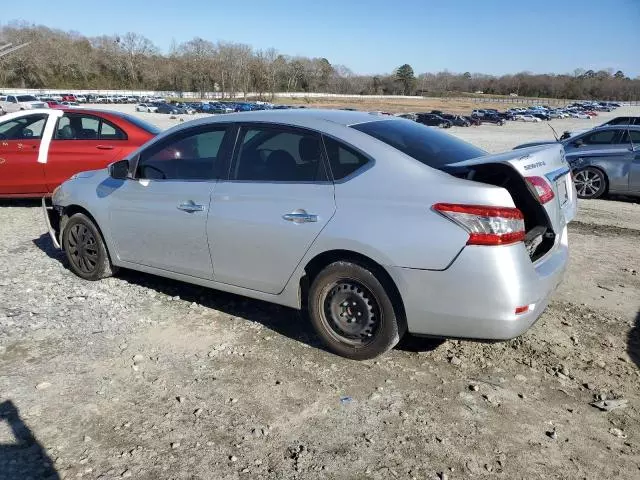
[(300, 216), (105, 147), (190, 207)]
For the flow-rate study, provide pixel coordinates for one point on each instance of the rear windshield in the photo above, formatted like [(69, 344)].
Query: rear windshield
[(427, 145), (149, 127)]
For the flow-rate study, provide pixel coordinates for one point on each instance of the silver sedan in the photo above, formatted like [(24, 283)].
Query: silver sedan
[(376, 225), (604, 160)]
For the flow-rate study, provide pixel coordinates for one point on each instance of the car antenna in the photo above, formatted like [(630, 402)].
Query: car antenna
[(629, 134), (554, 132)]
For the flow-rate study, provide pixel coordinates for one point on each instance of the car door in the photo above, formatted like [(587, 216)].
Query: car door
[(20, 172), (634, 161), (271, 208), (159, 218), (82, 142), (606, 149)]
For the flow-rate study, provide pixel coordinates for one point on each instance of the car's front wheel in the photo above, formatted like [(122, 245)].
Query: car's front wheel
[(352, 311), (85, 248), (590, 183)]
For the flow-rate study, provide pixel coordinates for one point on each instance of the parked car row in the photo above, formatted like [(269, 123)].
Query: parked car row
[(215, 107)]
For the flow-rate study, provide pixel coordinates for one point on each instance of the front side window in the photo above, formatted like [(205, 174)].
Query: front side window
[(184, 156), (272, 154), (87, 127), (605, 137), (29, 127), (26, 98)]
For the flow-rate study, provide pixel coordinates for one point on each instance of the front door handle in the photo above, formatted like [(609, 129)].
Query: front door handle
[(300, 216), (190, 207), (105, 147)]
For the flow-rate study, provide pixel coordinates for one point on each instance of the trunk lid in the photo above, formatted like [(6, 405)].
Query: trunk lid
[(548, 162)]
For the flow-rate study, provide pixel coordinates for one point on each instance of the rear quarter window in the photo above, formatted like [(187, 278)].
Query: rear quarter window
[(343, 159)]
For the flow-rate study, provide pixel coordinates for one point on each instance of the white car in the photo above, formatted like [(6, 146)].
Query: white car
[(101, 100), (526, 118), (146, 107), (15, 103), (81, 98), (579, 115)]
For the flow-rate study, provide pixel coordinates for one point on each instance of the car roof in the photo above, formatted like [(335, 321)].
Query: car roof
[(304, 115)]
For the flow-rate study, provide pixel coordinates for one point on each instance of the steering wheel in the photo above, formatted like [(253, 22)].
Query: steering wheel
[(27, 133), (144, 168)]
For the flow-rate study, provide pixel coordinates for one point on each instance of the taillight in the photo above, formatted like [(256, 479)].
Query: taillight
[(542, 188), (486, 225)]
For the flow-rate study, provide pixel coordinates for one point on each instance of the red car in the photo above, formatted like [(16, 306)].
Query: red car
[(40, 149), (54, 104), (68, 97)]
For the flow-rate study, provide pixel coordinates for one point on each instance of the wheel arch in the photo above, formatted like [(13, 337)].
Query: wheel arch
[(322, 260), (69, 211)]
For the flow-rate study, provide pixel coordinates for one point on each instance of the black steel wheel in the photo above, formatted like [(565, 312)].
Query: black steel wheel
[(352, 311), (590, 183), (85, 249)]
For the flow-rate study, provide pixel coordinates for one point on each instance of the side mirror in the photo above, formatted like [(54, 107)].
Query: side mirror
[(119, 170)]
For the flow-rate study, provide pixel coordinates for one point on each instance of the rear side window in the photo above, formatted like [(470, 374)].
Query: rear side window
[(427, 145), (635, 137), (273, 154), (343, 160), (87, 127)]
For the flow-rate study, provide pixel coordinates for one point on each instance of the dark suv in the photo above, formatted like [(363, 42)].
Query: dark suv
[(433, 120)]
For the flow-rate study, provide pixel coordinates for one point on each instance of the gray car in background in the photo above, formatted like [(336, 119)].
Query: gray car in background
[(604, 160), (375, 225)]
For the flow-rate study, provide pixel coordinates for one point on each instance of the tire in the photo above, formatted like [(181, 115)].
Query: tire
[(590, 183), (368, 327), (85, 248)]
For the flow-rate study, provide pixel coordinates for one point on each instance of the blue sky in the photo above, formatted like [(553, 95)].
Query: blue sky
[(376, 36)]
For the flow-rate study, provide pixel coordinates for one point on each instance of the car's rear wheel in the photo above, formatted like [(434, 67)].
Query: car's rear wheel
[(85, 248), (590, 183), (352, 311)]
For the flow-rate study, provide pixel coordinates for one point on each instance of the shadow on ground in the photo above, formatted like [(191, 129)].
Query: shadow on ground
[(282, 320), (44, 243), (20, 202), (633, 341), (24, 457)]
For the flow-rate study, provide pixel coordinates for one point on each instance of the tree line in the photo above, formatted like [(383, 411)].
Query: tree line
[(67, 60)]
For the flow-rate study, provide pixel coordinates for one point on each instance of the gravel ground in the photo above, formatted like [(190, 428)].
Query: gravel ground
[(141, 377)]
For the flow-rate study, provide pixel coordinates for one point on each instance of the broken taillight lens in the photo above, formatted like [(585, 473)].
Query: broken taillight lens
[(486, 225)]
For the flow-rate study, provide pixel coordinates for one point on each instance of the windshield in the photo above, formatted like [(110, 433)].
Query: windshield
[(427, 145), (26, 98), (149, 127)]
